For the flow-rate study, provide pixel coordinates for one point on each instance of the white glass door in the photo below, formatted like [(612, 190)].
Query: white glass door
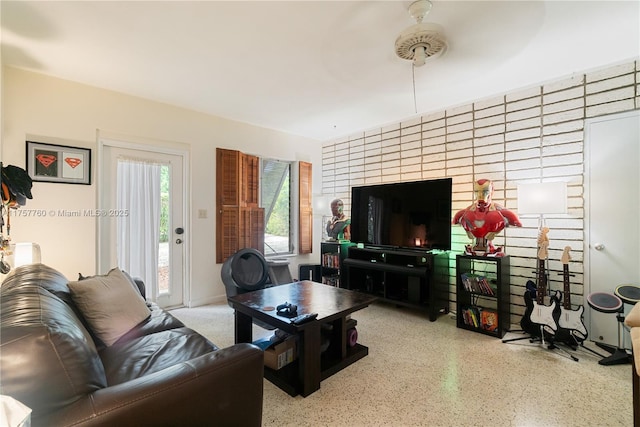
[(165, 280)]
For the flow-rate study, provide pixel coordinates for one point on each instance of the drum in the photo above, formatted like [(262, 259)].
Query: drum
[(629, 294), (604, 302)]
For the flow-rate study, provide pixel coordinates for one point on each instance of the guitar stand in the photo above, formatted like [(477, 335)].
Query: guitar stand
[(575, 345), (552, 345), (531, 338), (591, 350)]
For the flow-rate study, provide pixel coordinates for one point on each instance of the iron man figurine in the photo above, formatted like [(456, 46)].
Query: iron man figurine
[(484, 219)]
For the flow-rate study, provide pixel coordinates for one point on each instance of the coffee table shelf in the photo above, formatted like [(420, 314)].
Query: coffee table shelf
[(287, 380), (331, 365)]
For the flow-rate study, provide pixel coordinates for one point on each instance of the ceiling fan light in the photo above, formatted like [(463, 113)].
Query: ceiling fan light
[(429, 37), (422, 40), (419, 56)]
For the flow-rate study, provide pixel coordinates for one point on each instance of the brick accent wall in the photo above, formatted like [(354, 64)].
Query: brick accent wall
[(531, 135)]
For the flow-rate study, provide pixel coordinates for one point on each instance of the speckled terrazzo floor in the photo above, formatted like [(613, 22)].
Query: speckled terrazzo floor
[(433, 374)]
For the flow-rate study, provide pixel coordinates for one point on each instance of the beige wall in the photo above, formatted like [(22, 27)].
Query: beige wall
[(47, 109)]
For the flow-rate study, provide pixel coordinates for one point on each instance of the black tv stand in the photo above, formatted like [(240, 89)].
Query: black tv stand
[(404, 277), (381, 248)]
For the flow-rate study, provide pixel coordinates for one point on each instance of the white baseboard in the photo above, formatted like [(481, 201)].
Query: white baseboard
[(220, 299)]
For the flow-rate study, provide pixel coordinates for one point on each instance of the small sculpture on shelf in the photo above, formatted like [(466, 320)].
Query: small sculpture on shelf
[(339, 226), (483, 219)]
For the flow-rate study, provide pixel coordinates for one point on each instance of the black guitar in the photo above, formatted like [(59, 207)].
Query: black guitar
[(525, 322), (544, 316), (572, 330)]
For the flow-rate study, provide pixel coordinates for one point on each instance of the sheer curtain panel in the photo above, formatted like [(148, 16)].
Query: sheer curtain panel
[(138, 233)]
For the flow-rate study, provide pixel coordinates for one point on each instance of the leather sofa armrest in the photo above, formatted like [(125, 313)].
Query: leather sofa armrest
[(635, 346), (633, 318), (140, 284), (224, 387), (633, 321)]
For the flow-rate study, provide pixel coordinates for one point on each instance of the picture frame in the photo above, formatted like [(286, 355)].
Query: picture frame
[(58, 163)]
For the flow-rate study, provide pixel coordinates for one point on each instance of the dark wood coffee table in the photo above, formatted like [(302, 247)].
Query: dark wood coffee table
[(333, 306)]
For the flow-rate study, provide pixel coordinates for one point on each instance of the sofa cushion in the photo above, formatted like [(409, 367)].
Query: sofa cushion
[(124, 361), (47, 358), (110, 303), (159, 320)]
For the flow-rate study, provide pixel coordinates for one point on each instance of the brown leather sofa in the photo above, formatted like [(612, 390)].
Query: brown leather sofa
[(158, 373), (632, 320)]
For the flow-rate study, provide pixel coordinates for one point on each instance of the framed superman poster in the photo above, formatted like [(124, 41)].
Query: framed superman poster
[(58, 163)]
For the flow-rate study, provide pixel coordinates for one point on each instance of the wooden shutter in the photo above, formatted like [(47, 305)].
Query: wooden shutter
[(240, 221), (305, 232), (252, 228), (250, 180), (228, 238), (227, 203)]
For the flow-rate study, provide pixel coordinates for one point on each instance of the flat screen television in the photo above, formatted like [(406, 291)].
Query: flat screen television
[(407, 215)]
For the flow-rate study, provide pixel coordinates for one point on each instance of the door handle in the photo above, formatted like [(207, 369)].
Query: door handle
[(598, 247), (179, 241)]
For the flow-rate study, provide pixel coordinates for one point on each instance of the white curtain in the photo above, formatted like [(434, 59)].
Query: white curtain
[(138, 233)]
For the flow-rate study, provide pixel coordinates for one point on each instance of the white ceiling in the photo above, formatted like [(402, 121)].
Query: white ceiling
[(321, 69)]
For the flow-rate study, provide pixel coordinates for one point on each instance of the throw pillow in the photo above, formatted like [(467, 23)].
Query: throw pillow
[(110, 304), (138, 284)]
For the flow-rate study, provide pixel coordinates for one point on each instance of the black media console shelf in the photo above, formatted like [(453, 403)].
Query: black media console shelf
[(405, 277)]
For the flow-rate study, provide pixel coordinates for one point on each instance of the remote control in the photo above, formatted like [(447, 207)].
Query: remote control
[(303, 318)]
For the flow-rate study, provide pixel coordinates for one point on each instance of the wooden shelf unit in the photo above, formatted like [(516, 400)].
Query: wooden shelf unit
[(332, 256), (482, 294)]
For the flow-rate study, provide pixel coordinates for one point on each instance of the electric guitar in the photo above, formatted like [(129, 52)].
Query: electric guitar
[(545, 316), (525, 322), (572, 328)]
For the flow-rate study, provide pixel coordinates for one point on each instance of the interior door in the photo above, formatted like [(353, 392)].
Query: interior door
[(171, 275), (612, 209)]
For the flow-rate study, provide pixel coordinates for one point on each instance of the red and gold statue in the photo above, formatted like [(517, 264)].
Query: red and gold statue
[(484, 219)]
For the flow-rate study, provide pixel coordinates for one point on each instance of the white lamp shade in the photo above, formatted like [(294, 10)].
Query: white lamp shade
[(322, 204), (25, 253), (542, 198)]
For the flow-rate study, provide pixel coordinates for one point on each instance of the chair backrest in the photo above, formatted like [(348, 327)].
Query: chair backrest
[(279, 273), (244, 271)]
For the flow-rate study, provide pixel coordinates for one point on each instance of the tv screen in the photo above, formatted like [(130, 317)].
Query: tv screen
[(409, 215)]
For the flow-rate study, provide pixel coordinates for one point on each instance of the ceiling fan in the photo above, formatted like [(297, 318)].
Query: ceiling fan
[(422, 40)]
